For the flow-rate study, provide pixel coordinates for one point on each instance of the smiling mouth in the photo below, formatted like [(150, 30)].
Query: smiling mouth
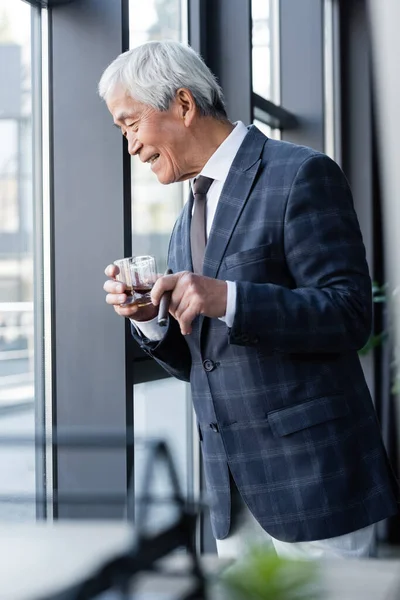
[(153, 159)]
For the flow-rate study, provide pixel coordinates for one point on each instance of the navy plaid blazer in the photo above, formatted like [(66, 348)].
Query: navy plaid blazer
[(280, 398)]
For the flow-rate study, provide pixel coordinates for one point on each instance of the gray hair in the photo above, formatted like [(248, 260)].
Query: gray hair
[(153, 72)]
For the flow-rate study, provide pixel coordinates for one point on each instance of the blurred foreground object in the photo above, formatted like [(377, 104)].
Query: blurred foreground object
[(262, 575), (104, 561), (40, 560), (384, 22)]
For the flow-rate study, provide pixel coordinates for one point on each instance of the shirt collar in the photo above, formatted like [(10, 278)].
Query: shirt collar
[(219, 164)]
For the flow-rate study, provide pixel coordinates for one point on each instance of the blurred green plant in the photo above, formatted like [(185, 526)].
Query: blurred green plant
[(396, 381), (379, 296), (262, 575)]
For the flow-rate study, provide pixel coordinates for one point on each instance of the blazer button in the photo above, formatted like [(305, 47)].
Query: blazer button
[(214, 427), (209, 365)]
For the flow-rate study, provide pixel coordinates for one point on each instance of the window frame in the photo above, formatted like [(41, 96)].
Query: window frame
[(39, 234), (47, 3)]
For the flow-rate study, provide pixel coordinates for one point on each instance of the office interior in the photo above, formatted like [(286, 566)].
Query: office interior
[(321, 73)]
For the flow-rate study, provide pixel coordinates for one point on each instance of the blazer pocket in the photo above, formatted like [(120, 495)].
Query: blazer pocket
[(301, 416), (249, 256)]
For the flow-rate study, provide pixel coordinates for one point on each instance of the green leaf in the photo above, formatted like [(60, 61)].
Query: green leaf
[(396, 386), (262, 575), (373, 342), (379, 293)]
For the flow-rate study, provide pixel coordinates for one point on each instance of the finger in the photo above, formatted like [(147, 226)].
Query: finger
[(164, 284), (186, 319), (179, 305), (125, 311), (136, 311), (179, 302), (116, 299), (114, 287), (111, 270)]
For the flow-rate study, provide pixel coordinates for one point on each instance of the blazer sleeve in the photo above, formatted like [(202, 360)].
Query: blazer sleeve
[(172, 352), (329, 308)]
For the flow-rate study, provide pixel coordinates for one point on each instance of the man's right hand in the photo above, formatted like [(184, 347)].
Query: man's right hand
[(116, 296)]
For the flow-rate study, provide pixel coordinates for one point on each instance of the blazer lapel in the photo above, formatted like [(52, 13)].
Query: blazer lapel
[(233, 198)]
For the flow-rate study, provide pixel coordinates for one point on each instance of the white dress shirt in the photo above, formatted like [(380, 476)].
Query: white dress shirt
[(217, 168)]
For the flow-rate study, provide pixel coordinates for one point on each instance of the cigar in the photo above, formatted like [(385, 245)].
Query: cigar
[(164, 305)]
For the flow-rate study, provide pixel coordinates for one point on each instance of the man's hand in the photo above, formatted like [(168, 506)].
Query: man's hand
[(192, 295), (116, 297)]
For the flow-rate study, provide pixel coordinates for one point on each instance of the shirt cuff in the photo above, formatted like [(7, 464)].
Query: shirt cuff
[(230, 304), (150, 329)]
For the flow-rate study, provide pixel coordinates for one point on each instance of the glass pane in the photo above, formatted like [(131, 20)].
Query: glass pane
[(17, 465), (161, 408), (266, 129), (265, 48), (161, 411), (154, 206), (260, 10), (265, 54)]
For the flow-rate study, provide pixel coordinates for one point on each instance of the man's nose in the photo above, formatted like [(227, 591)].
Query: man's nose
[(133, 145)]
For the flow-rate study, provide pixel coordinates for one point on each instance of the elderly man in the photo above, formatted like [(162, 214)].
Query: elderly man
[(271, 299)]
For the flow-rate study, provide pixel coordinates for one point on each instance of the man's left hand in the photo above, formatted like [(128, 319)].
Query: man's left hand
[(192, 295)]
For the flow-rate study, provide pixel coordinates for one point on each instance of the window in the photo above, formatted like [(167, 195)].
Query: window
[(161, 408), (17, 382), (154, 207), (265, 60)]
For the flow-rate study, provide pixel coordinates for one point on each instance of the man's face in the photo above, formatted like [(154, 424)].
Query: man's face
[(159, 138)]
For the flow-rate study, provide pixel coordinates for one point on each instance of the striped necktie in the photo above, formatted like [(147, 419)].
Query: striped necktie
[(198, 234)]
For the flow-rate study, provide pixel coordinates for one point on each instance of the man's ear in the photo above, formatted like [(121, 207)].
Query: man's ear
[(186, 105)]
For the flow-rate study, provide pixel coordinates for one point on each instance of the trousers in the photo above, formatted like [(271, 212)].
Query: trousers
[(247, 532)]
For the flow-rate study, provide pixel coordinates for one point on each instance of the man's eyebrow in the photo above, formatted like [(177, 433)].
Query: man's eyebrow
[(123, 116)]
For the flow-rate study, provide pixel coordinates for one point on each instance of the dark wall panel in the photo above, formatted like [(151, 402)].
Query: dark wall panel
[(90, 382), (221, 31), (302, 59)]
